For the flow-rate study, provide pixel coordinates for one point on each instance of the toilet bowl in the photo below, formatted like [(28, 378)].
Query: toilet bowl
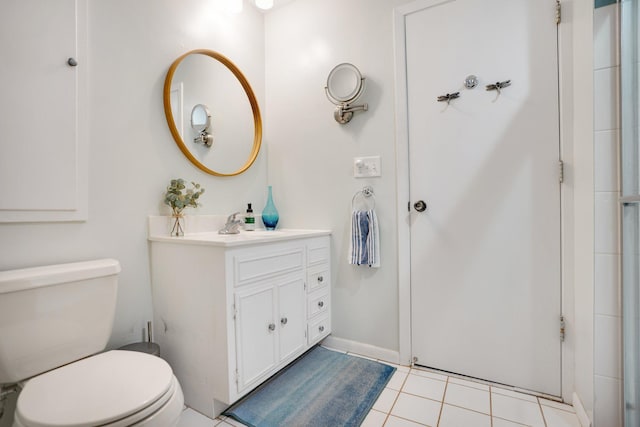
[(55, 322), (117, 389)]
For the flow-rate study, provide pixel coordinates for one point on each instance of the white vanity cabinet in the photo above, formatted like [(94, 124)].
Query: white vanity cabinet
[(229, 312)]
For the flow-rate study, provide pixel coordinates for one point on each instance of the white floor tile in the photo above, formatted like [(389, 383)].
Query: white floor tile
[(467, 397), (452, 416), (499, 422), (417, 409), (230, 421), (514, 394), (191, 418), (467, 383), (385, 400), (397, 380), (428, 374), (559, 418), (424, 387), (400, 422), (517, 410), (374, 419)]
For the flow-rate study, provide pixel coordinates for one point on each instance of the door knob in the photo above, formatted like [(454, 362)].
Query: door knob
[(420, 206), (284, 320), (272, 327)]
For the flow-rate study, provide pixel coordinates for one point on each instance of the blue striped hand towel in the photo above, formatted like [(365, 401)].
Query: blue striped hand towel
[(365, 239)]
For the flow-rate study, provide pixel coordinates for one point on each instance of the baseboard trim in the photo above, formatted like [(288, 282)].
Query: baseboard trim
[(362, 349), (580, 411)]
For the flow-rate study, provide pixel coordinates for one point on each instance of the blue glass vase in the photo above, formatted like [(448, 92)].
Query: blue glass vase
[(270, 215)]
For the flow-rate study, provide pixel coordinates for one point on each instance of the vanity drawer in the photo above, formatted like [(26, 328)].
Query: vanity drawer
[(318, 251), (319, 328), (318, 302), (318, 278), (250, 267)]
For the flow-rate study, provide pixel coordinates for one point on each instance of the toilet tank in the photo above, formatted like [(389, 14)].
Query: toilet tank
[(54, 315)]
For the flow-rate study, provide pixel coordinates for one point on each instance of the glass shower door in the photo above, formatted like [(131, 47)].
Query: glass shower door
[(630, 208)]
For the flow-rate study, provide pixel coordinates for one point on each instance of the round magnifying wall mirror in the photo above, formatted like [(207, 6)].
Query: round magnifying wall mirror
[(200, 118), (207, 78), (344, 83)]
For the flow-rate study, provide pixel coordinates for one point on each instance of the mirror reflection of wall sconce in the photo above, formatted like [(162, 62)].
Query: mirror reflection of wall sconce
[(201, 123), (344, 86)]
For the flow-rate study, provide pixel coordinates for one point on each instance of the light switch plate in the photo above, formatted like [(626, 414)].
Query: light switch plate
[(366, 167)]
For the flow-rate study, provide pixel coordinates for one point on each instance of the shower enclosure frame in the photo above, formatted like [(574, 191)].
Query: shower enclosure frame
[(630, 208)]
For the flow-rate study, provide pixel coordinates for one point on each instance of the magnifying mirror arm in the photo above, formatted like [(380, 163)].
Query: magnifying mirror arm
[(204, 138), (344, 112)]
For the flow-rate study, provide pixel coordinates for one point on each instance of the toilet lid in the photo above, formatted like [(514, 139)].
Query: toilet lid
[(94, 391)]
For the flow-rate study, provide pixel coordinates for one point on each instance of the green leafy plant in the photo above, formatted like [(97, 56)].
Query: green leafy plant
[(178, 196)]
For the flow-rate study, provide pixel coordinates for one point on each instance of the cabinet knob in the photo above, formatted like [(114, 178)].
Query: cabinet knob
[(321, 328), (272, 326), (284, 320), (321, 304), (320, 279)]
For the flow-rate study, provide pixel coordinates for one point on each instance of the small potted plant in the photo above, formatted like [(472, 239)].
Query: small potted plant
[(178, 197)]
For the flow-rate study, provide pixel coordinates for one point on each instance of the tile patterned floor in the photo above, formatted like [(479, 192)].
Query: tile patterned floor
[(416, 397)]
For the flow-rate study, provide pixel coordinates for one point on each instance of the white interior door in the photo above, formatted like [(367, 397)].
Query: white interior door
[(485, 254)]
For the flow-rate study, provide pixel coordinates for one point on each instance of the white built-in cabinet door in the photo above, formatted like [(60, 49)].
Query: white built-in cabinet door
[(43, 111), (255, 333), (270, 326), (292, 322)]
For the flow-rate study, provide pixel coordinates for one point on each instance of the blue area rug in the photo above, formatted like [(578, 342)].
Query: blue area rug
[(323, 388)]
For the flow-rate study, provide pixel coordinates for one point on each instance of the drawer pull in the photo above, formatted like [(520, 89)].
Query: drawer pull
[(320, 279), (272, 327), (284, 321), (321, 304), (321, 328)]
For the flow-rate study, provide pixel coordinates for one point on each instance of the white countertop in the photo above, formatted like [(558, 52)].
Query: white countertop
[(212, 238), (203, 230)]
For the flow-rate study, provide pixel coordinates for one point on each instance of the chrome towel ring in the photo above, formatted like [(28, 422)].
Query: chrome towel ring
[(365, 194)]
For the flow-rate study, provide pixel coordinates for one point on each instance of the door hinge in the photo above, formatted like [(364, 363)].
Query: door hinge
[(562, 328), (235, 311), (237, 378), (561, 171), (558, 12)]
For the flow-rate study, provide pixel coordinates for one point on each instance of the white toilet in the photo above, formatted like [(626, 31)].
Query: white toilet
[(53, 321)]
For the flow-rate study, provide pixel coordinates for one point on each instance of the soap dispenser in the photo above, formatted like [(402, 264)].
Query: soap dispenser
[(249, 219)]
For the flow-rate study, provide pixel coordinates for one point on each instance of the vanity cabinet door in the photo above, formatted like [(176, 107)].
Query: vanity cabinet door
[(292, 317), (256, 331)]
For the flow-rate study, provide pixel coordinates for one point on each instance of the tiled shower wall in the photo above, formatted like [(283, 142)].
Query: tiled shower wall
[(607, 305)]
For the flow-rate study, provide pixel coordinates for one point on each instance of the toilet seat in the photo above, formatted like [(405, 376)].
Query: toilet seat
[(116, 388)]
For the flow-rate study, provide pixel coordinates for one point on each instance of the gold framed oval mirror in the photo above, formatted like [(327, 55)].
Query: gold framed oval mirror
[(202, 76)]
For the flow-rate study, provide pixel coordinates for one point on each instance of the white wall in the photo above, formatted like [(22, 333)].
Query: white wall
[(132, 153), (579, 16), (311, 155), (607, 303)]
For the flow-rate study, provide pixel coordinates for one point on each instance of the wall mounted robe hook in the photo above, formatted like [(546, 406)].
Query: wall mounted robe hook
[(448, 97)]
